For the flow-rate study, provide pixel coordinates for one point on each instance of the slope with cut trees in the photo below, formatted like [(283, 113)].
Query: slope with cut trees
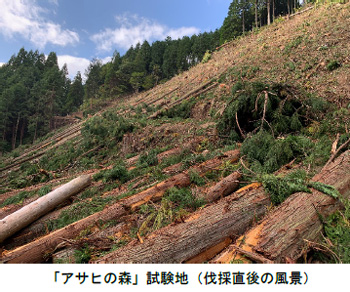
[(266, 114)]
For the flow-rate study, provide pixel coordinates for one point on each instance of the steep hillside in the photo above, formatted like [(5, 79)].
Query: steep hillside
[(267, 113)]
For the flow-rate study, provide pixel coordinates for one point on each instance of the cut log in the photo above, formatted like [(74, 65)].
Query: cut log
[(29, 213), (281, 236), (203, 230), (232, 215), (40, 249), (223, 188), (192, 93), (34, 252), (180, 180), (210, 253)]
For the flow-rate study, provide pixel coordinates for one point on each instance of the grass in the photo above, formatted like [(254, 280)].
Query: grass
[(337, 232), (18, 199), (175, 204), (78, 211)]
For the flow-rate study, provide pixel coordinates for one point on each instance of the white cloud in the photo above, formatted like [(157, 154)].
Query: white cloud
[(74, 64), (1, 64), (27, 19), (133, 29)]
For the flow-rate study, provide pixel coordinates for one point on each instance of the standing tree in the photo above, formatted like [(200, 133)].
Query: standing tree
[(75, 94)]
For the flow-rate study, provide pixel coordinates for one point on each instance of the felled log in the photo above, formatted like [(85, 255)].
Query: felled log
[(281, 236), (204, 229), (39, 250), (192, 93), (29, 213), (34, 252), (35, 152), (223, 188), (180, 180)]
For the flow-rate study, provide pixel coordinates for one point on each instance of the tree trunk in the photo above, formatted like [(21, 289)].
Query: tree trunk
[(288, 7), (14, 133), (282, 234), (33, 252), (40, 249), (22, 132), (223, 188), (36, 129), (243, 21), (256, 14), (273, 10), (268, 12), (29, 213), (203, 230)]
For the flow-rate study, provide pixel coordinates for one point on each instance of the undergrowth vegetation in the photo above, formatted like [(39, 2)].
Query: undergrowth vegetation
[(175, 204), (279, 125), (278, 109), (106, 129)]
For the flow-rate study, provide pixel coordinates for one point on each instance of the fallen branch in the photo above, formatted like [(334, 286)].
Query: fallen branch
[(282, 234), (337, 152)]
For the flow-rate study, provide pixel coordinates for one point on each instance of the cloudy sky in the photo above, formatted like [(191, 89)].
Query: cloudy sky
[(80, 30)]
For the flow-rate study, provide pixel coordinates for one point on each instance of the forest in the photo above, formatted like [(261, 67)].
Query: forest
[(43, 90)]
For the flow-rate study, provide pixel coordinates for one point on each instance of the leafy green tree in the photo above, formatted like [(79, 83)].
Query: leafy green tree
[(94, 79), (136, 80), (75, 95), (239, 19), (169, 67)]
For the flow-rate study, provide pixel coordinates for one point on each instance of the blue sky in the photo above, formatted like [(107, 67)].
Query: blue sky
[(80, 30)]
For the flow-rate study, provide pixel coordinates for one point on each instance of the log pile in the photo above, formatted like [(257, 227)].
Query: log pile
[(218, 228), (279, 237), (36, 250)]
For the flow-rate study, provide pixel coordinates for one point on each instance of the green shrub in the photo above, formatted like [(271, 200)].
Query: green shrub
[(148, 159), (191, 159), (104, 129), (337, 231), (281, 187), (183, 198), (267, 154), (332, 65), (78, 211), (83, 255), (195, 178), (182, 110), (206, 57), (118, 172), (273, 108), (44, 190)]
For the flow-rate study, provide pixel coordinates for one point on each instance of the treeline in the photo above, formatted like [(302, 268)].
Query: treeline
[(33, 89), (244, 15), (145, 65)]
